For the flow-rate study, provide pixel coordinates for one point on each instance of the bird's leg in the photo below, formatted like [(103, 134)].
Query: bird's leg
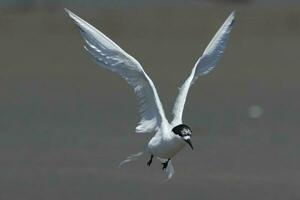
[(165, 164), (150, 161)]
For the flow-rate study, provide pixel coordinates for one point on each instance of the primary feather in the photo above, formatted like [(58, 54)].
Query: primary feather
[(110, 56), (204, 65)]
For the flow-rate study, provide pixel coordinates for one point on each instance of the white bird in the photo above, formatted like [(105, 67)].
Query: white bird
[(169, 138)]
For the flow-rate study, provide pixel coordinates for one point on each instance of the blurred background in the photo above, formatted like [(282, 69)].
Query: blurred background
[(65, 123)]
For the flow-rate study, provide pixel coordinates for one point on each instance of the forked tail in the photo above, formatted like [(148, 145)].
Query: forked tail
[(169, 170), (130, 158)]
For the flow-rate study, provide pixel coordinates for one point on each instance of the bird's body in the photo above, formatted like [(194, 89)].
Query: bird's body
[(169, 138), (165, 145)]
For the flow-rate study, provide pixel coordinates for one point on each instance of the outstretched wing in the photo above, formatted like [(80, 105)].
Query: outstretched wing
[(110, 56), (204, 65)]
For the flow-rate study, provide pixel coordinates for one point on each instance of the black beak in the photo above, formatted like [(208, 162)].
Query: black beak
[(190, 143)]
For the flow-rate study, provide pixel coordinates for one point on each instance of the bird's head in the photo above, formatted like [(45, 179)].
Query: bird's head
[(184, 132)]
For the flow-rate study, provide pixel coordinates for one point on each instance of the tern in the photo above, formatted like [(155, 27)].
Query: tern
[(168, 138)]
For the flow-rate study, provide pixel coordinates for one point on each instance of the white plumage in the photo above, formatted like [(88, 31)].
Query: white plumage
[(110, 56), (204, 65), (168, 139)]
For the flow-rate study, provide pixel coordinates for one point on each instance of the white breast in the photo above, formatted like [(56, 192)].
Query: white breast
[(165, 147)]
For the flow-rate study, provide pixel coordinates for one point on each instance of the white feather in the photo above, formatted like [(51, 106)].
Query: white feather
[(110, 56), (170, 171), (204, 65), (131, 158)]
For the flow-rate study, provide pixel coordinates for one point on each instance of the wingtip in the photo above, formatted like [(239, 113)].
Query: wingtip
[(74, 17), (67, 11), (70, 13), (233, 13), (232, 17)]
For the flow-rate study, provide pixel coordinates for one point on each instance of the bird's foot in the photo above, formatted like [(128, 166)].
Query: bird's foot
[(150, 161), (165, 164)]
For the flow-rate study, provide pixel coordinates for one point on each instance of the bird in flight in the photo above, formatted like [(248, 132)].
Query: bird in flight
[(168, 138)]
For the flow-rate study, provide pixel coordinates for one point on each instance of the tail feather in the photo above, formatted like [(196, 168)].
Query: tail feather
[(130, 158), (169, 170)]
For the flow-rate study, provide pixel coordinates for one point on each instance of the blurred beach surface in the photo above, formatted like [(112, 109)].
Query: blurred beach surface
[(66, 123)]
